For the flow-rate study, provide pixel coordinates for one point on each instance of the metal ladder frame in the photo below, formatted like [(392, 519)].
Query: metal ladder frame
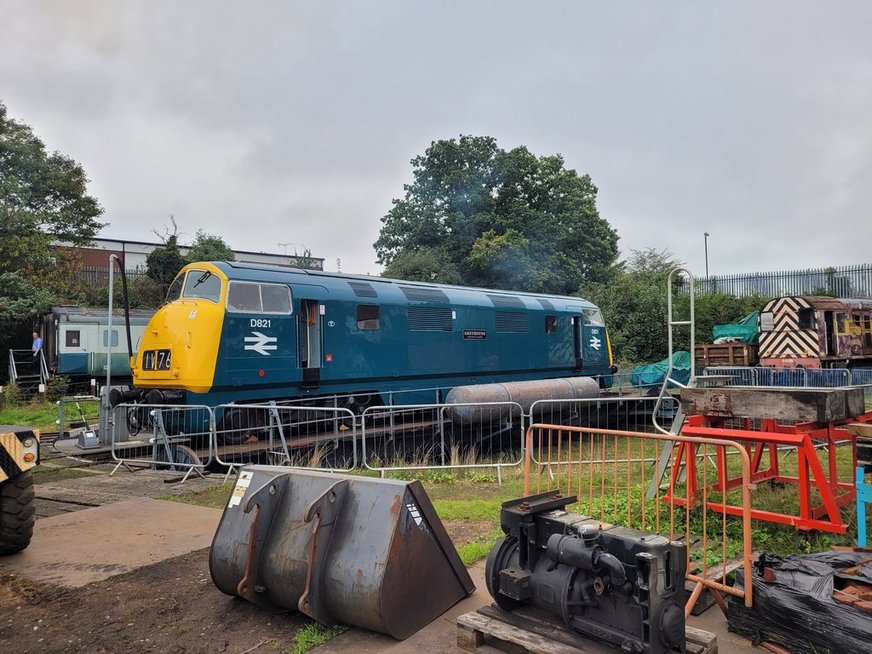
[(678, 419)]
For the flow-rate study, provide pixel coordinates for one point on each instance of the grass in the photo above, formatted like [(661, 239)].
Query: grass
[(45, 474), (44, 415), (215, 497), (312, 635)]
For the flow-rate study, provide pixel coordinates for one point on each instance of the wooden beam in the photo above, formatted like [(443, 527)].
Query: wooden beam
[(822, 405)]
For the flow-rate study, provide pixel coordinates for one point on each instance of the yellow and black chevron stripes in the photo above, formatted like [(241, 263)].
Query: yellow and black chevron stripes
[(13, 452), (786, 338)]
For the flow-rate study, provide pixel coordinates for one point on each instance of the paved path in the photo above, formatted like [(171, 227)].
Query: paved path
[(74, 549)]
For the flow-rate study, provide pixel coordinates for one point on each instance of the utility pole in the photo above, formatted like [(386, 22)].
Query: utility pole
[(706, 235)]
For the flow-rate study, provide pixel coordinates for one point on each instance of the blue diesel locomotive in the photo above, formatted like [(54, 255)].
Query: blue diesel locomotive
[(234, 332)]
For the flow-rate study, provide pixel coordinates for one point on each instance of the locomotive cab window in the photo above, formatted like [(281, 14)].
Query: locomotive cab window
[(202, 285), (253, 297), (841, 323), (867, 331), (767, 321), (367, 317), (806, 319), (175, 290), (593, 317), (550, 324)]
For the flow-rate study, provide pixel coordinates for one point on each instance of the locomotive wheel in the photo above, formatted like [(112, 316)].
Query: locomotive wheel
[(17, 513), (183, 455), (234, 428)]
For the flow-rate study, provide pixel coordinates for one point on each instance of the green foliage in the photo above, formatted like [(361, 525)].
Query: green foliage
[(480, 215), (164, 262), (634, 304), (56, 387), (314, 634), (43, 197), (12, 399), (208, 247)]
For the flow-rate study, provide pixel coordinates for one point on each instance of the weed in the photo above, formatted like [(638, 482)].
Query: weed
[(314, 634), (215, 497)]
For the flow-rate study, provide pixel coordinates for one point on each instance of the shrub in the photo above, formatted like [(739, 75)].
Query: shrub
[(56, 387)]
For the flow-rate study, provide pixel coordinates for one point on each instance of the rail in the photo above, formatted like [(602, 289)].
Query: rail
[(608, 470)]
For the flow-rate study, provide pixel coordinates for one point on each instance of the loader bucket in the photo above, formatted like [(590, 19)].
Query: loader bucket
[(366, 552)]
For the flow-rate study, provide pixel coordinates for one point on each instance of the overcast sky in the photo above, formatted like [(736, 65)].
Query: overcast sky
[(291, 122)]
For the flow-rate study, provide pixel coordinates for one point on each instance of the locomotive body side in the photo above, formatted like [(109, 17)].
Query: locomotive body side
[(815, 332), (259, 333)]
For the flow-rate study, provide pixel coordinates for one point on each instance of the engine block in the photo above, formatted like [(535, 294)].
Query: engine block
[(617, 585)]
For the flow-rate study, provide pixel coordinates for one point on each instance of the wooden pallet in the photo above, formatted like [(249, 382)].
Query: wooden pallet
[(527, 630)]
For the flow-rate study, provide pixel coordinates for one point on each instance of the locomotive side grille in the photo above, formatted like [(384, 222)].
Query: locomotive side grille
[(363, 289), (423, 294), (506, 301), (430, 319), (786, 338), (511, 322)]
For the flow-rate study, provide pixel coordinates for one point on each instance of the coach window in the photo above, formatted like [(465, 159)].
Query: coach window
[(367, 317), (73, 338), (806, 319), (593, 317), (114, 338), (202, 285), (550, 324)]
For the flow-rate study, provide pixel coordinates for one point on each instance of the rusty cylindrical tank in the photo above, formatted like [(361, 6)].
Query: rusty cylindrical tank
[(366, 552), (523, 393)]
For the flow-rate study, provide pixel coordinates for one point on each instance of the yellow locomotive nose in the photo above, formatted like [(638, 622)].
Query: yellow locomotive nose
[(180, 345)]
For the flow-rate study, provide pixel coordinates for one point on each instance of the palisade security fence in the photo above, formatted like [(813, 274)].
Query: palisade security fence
[(838, 281)]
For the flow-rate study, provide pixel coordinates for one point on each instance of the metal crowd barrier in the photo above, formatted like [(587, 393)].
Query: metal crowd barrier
[(286, 434), (170, 436), (808, 377), (442, 436), (69, 413), (608, 470)]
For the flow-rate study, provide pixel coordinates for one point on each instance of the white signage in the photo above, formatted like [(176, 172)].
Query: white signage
[(595, 342), (261, 343)]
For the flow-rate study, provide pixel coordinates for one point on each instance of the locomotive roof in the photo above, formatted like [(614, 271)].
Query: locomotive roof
[(457, 294), (96, 314), (825, 302)]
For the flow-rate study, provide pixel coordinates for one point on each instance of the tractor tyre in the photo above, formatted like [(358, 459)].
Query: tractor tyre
[(17, 513)]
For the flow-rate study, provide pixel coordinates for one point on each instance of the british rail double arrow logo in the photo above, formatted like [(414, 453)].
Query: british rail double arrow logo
[(261, 343)]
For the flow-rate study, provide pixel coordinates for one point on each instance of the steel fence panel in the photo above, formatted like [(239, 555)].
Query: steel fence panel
[(861, 376), (443, 436), (741, 375), (607, 472), (827, 377), (629, 413), (169, 436), (323, 437)]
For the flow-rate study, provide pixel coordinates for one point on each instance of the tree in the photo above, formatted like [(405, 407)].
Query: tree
[(43, 198), (164, 262), (208, 247), (496, 218)]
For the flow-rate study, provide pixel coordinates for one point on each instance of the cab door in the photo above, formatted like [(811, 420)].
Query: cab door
[(310, 331)]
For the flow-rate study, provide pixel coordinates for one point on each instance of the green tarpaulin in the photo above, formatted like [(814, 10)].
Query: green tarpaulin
[(744, 331), (655, 373)]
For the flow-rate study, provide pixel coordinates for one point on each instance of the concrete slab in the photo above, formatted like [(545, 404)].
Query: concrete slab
[(75, 549)]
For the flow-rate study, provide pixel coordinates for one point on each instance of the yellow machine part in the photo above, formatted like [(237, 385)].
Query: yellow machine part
[(19, 450), (191, 329)]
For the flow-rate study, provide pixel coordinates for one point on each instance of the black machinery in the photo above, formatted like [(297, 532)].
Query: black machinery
[(618, 585)]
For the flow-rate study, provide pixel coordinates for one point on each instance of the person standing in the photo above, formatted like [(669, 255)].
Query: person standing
[(37, 345)]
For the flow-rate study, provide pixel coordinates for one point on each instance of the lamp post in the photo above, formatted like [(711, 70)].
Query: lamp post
[(706, 235)]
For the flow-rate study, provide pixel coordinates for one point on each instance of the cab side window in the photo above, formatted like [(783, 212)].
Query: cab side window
[(367, 317)]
